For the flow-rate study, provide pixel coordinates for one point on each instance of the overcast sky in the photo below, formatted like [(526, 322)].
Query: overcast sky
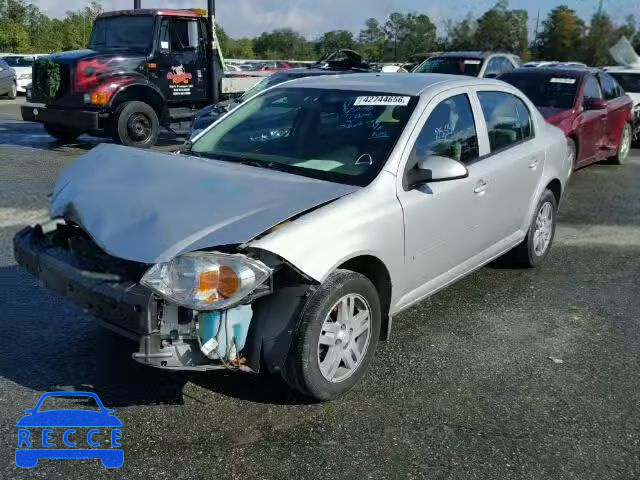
[(313, 17)]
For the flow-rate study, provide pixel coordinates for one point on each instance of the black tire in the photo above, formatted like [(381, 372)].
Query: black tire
[(526, 255), (13, 93), (135, 124), (302, 370), (62, 134), (624, 147)]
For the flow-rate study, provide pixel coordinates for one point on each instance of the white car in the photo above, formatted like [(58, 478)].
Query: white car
[(629, 80), (22, 65), (289, 233)]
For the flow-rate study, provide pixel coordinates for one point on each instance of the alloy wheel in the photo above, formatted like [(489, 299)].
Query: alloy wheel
[(344, 338), (543, 229), (625, 143)]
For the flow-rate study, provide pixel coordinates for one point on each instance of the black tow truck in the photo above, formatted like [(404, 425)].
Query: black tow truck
[(144, 69)]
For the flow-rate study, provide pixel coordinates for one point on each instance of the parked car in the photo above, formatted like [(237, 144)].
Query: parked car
[(587, 104), (22, 65), (8, 80), (341, 61), (473, 64), (316, 212), (629, 80)]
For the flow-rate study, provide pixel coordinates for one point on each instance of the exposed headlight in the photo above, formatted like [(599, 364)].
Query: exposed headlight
[(206, 280), (25, 76)]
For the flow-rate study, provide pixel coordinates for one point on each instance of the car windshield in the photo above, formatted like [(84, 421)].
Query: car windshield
[(546, 90), (335, 135), (263, 84), (65, 402), (454, 66), (630, 82), (134, 32), (19, 61)]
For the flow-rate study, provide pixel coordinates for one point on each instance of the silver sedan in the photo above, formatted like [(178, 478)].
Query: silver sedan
[(289, 234)]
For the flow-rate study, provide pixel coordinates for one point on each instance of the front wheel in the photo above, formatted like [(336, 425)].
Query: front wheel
[(624, 147), (537, 244), (337, 337), (136, 125)]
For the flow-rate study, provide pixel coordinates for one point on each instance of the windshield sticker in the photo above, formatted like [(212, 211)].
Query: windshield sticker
[(381, 101), (324, 165), (472, 62), (568, 81)]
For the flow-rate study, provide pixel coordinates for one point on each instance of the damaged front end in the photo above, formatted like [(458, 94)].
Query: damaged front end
[(198, 311)]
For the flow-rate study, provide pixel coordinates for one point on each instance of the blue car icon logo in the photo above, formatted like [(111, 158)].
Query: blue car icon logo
[(69, 433)]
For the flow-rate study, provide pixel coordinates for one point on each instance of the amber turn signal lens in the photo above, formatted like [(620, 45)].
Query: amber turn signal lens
[(99, 98), (208, 281), (229, 282)]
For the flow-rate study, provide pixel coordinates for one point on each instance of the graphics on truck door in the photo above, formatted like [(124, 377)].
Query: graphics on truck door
[(182, 61)]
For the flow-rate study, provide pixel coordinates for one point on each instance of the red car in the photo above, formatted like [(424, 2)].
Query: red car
[(588, 105)]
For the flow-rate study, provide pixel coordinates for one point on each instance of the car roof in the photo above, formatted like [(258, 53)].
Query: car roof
[(472, 54), (391, 83), (546, 71)]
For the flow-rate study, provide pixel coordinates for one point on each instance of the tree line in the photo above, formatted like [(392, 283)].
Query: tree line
[(562, 35)]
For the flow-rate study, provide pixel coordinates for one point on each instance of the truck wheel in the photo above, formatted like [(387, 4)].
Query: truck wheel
[(136, 125), (337, 337), (62, 134)]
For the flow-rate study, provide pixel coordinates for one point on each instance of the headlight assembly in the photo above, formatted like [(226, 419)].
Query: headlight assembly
[(25, 76), (206, 280)]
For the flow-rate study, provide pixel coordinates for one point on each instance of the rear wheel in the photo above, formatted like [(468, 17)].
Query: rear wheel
[(624, 147), (62, 134), (537, 244), (337, 337), (572, 153), (136, 125)]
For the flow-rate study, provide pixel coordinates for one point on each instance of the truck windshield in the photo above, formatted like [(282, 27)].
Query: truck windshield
[(135, 32), (336, 135), (454, 66)]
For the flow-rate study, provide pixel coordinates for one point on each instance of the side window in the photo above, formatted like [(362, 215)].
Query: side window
[(508, 119), (494, 67), (609, 86), (450, 131), (505, 65), (591, 89), (179, 35)]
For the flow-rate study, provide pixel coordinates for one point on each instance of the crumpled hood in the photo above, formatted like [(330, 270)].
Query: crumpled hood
[(150, 207)]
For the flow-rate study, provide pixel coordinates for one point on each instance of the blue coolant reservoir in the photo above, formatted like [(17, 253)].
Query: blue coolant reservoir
[(223, 334)]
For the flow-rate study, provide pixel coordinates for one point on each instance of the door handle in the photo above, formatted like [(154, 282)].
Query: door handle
[(480, 187), (534, 164)]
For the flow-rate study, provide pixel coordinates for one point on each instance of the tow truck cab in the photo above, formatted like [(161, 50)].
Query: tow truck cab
[(143, 69)]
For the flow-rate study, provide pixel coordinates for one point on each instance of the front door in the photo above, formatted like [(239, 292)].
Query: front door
[(182, 62), (6, 77), (438, 216), (591, 125)]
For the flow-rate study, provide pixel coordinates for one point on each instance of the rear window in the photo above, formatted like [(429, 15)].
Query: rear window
[(547, 90), (453, 66), (630, 82)]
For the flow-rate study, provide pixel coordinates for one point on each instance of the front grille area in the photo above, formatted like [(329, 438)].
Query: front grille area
[(48, 87)]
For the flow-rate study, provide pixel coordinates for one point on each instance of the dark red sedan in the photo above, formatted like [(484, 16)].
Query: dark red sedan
[(587, 104)]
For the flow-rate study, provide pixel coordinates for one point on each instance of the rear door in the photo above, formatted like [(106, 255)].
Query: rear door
[(508, 174), (182, 62), (618, 110)]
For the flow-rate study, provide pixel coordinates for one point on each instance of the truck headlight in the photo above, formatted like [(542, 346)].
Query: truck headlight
[(206, 280), (25, 76)]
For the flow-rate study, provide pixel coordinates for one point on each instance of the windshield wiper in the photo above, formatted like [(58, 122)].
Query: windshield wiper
[(264, 164)]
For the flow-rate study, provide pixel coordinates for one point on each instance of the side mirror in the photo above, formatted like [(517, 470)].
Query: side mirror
[(595, 104), (435, 168)]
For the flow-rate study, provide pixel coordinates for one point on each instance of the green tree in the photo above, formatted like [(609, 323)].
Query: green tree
[(407, 34), (282, 44), (601, 37), (502, 29), (460, 36), (371, 40), (334, 40), (561, 35)]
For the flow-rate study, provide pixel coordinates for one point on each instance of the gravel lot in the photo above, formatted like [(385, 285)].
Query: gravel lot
[(465, 388)]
